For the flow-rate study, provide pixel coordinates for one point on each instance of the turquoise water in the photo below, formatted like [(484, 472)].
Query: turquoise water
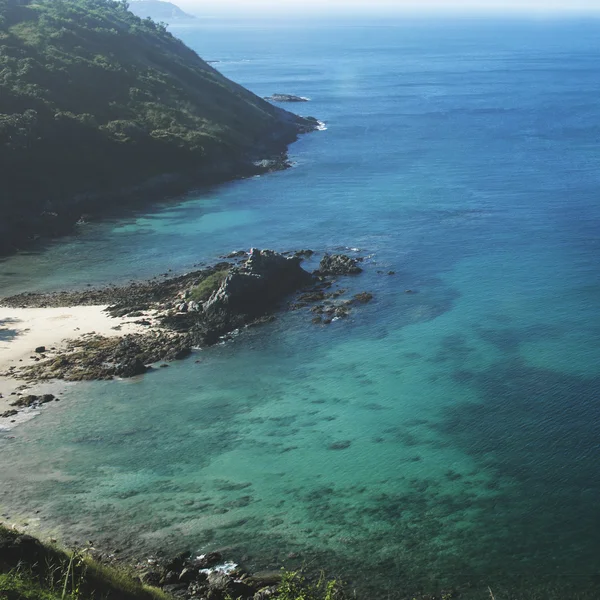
[(463, 156)]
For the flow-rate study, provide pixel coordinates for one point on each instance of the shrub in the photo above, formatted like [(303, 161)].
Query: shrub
[(204, 290), (294, 586)]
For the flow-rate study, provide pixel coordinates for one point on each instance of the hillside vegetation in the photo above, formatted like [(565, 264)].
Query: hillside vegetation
[(93, 98)]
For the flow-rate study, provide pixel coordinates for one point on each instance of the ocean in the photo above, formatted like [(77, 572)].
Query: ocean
[(447, 438)]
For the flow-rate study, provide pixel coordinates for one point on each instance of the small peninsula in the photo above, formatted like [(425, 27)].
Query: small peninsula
[(100, 109), (123, 332)]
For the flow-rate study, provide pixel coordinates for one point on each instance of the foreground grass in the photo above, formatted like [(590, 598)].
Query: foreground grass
[(17, 586), (36, 571)]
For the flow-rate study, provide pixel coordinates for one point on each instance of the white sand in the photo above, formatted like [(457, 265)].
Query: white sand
[(22, 330)]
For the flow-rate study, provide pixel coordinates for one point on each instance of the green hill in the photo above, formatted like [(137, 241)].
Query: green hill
[(158, 11), (94, 99)]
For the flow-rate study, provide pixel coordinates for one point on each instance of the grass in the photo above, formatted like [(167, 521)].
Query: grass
[(204, 290), (49, 573), (18, 586)]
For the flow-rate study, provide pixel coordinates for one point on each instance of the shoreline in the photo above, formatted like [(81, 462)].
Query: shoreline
[(47, 340), (23, 330), (152, 189)]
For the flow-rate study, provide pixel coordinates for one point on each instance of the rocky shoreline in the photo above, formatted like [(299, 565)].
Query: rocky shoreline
[(181, 313), (202, 577), (23, 231)]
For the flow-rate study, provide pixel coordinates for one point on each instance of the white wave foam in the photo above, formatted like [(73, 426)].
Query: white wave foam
[(226, 567)]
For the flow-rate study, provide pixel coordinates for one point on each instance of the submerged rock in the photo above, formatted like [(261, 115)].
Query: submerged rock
[(341, 445), (363, 297)]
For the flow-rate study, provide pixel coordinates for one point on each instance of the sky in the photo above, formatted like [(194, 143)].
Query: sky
[(541, 7)]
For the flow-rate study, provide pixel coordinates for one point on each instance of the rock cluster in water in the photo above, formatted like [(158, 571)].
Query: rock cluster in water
[(338, 264)]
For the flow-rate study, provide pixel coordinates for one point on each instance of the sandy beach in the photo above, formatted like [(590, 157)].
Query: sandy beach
[(22, 330)]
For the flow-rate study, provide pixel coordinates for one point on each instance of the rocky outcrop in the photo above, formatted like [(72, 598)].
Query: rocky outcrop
[(253, 287), (244, 294), (338, 264), (192, 310), (96, 357), (32, 401), (250, 291)]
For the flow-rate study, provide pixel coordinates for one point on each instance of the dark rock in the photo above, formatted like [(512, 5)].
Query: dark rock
[(198, 588), (170, 578), (32, 400), (40, 349), (225, 586), (178, 353), (206, 561), (131, 368), (338, 264), (188, 574), (174, 587), (250, 290), (342, 311), (363, 297), (9, 413), (152, 578), (304, 253), (312, 296), (219, 581), (178, 562)]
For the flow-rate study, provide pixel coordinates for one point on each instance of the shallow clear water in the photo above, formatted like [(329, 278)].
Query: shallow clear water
[(461, 155)]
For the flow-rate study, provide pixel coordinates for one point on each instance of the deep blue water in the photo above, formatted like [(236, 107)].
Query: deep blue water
[(464, 156)]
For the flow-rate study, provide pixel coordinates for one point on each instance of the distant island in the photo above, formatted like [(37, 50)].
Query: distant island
[(100, 109), (159, 11), (286, 98)]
